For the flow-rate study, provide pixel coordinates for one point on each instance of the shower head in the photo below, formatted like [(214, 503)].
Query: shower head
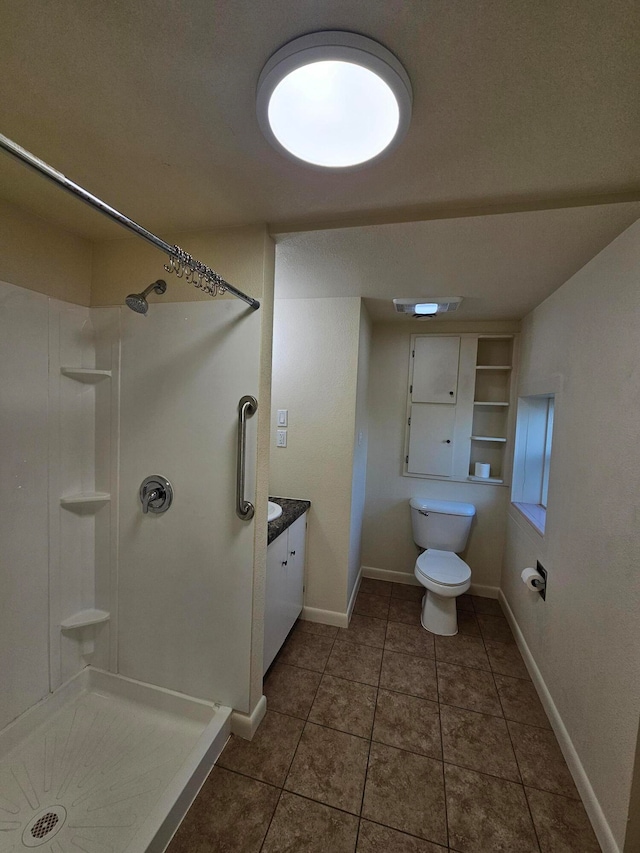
[(138, 301)]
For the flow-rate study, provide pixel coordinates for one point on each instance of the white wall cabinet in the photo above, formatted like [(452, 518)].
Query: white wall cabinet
[(431, 440), (284, 593), (435, 369), (460, 406)]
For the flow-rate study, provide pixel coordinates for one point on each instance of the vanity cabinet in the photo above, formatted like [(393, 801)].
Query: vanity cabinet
[(284, 592)]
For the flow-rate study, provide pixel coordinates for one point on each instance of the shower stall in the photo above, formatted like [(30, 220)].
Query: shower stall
[(130, 641)]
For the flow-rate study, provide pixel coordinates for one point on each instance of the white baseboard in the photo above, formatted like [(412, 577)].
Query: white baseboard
[(388, 575), (485, 591), (354, 595), (591, 804), (411, 580), (245, 725), (333, 617), (326, 617)]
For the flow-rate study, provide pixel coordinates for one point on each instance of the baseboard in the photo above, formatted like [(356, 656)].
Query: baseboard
[(404, 577), (326, 617), (388, 575), (245, 725), (333, 617), (591, 804), (484, 591), (354, 595)]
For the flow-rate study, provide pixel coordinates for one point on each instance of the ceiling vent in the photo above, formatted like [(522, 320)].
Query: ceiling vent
[(428, 307)]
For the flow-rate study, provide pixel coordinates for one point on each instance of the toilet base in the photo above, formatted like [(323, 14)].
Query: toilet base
[(439, 615)]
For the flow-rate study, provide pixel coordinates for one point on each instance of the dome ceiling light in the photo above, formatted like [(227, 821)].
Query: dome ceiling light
[(334, 100)]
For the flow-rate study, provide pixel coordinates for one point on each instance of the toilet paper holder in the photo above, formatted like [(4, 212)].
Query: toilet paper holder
[(541, 586), (536, 580)]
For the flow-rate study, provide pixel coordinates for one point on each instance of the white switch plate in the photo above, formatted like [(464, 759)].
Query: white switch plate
[(283, 416), (281, 438)]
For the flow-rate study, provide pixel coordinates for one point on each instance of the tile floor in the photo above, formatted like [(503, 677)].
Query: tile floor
[(381, 738)]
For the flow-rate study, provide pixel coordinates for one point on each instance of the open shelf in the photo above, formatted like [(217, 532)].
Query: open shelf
[(487, 403), (495, 480), (487, 438), (495, 352), (83, 618), (85, 374), (493, 367)]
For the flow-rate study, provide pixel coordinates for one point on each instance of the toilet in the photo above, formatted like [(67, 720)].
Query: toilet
[(441, 528)]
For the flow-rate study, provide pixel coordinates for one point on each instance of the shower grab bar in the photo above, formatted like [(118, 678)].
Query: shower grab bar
[(180, 262), (246, 408)]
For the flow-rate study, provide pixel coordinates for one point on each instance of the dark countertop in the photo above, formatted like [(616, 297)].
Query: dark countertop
[(291, 511)]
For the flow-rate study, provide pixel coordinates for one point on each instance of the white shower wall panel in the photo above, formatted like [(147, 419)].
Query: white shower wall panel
[(185, 577), (24, 604), (71, 471)]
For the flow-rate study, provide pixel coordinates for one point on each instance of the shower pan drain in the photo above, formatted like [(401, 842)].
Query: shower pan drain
[(44, 826)]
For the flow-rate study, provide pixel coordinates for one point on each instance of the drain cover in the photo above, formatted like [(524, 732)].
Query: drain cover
[(44, 826)]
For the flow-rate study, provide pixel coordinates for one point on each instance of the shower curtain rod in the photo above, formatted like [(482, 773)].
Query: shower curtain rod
[(180, 262)]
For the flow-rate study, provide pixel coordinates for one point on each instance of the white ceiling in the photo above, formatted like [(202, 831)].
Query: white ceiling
[(150, 105), (502, 265)]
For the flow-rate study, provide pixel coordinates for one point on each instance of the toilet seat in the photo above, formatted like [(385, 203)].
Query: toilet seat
[(443, 567)]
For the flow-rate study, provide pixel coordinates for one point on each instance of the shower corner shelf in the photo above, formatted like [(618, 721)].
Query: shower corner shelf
[(85, 374), (85, 501), (83, 618)]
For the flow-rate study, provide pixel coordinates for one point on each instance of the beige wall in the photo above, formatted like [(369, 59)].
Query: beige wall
[(360, 449), (125, 266), (387, 541), (585, 638), (43, 257), (315, 366)]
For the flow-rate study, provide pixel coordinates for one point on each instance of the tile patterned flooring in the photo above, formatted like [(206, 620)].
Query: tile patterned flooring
[(381, 738)]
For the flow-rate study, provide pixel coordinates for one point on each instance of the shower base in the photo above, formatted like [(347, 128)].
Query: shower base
[(105, 765)]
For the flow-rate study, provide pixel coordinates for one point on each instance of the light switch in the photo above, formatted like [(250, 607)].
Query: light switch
[(283, 416), (281, 438)]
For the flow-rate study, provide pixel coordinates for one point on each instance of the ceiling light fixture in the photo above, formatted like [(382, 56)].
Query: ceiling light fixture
[(427, 307), (334, 100)]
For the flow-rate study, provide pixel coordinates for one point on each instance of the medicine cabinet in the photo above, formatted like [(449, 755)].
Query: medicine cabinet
[(460, 406)]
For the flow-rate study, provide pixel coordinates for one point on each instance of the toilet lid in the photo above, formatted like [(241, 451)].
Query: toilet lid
[(443, 567)]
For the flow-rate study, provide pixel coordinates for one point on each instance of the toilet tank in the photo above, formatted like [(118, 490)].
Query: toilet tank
[(443, 525)]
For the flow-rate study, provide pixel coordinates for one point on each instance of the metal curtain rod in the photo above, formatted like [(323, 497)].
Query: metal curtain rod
[(180, 262)]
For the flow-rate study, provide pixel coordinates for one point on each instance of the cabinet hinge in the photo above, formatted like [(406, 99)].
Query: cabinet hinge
[(411, 389), (409, 421), (413, 353), (406, 459)]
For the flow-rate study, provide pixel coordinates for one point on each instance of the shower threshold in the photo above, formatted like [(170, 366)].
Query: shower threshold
[(105, 765)]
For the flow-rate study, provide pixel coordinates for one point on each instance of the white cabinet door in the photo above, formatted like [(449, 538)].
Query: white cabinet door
[(435, 369), (431, 439), (295, 568), (284, 590), (275, 625)]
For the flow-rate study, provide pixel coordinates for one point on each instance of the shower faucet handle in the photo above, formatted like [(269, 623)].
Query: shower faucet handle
[(156, 494)]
